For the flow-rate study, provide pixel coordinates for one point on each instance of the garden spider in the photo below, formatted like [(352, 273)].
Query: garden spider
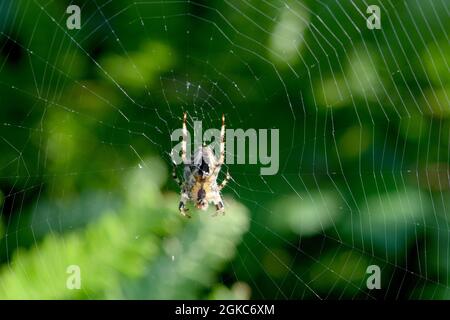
[(200, 175)]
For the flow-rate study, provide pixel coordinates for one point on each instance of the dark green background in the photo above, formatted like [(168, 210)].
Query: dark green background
[(364, 148)]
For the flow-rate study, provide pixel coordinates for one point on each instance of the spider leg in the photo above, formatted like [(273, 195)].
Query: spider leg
[(220, 208), (222, 146), (222, 142), (175, 177), (182, 206), (225, 181), (183, 144)]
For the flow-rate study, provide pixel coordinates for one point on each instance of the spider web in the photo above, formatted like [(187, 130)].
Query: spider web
[(363, 118)]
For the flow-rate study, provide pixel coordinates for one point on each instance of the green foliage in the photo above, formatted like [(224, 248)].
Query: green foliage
[(142, 249), (139, 69), (309, 215), (364, 122)]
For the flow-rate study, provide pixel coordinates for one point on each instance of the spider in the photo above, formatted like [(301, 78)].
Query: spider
[(200, 176)]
